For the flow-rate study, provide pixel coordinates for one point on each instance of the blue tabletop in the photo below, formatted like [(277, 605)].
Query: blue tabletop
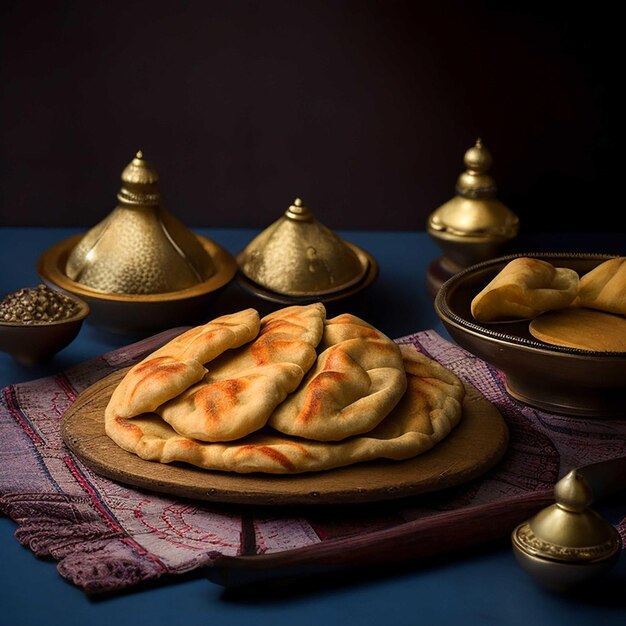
[(484, 585)]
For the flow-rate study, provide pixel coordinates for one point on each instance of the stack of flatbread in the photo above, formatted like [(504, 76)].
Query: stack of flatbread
[(292, 392), (577, 312)]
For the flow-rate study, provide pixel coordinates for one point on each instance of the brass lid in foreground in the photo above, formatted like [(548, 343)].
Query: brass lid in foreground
[(569, 531), (299, 256), (474, 211), (139, 248)]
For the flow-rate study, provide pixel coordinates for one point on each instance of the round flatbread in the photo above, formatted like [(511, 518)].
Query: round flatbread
[(580, 328), (357, 380), (426, 414), (178, 364), (243, 387)]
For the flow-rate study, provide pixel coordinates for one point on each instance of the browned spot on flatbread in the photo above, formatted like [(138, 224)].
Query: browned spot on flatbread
[(214, 399), (129, 427), (336, 358), (318, 392), (202, 338), (188, 443), (349, 320), (208, 333), (418, 404), (158, 368), (161, 363), (302, 449), (185, 338), (267, 348), (270, 452), (280, 324), (343, 318)]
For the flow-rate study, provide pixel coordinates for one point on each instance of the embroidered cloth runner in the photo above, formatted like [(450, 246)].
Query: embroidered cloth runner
[(107, 536)]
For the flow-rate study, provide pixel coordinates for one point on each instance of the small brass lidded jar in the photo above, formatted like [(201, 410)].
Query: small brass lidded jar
[(139, 248), (474, 225), (567, 545), (299, 257)]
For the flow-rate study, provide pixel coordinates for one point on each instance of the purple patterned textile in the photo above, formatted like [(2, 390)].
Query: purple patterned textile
[(106, 536)]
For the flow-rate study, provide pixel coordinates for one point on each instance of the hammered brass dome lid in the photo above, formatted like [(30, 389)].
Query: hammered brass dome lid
[(139, 248), (299, 256)]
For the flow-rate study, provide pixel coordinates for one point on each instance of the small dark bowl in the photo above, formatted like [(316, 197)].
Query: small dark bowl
[(30, 344), (554, 378)]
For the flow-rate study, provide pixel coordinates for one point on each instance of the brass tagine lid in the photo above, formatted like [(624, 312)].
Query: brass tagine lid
[(298, 256), (567, 544), (139, 248), (474, 224)]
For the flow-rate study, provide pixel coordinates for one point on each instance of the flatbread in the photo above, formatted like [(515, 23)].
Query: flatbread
[(358, 379), (179, 364), (581, 328), (523, 289), (426, 414), (243, 387), (604, 287)]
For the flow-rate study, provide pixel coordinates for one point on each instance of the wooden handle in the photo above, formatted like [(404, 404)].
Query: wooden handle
[(436, 534)]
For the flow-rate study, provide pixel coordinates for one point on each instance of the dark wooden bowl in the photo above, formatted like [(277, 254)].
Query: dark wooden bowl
[(30, 344)]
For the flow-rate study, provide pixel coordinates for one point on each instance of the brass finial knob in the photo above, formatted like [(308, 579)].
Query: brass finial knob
[(573, 493), (477, 158), (475, 182), (297, 211), (140, 183)]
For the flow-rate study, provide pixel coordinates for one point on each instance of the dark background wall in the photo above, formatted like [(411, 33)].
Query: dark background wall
[(363, 108)]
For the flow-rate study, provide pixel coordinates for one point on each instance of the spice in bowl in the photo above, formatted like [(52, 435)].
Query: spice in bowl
[(39, 305), (37, 322)]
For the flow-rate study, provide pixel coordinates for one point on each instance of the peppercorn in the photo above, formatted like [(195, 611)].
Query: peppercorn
[(38, 305)]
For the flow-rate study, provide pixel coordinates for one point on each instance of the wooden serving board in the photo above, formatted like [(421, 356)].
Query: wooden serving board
[(473, 447)]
